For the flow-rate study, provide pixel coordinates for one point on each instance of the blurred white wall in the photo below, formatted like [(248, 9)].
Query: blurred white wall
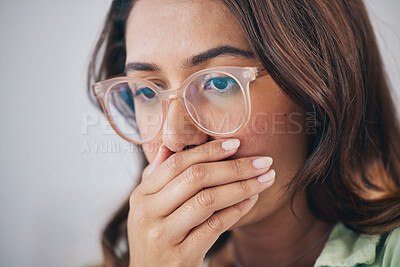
[(54, 195), (385, 18), (58, 183)]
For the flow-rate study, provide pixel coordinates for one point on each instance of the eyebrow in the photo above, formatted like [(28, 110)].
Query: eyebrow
[(194, 60)]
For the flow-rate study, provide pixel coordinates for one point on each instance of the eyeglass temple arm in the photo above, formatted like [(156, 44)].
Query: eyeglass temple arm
[(262, 71)]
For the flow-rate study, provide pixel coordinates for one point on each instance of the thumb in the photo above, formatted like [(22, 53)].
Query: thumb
[(163, 153)]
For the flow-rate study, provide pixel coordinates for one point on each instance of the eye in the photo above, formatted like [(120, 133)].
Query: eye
[(145, 92), (220, 83)]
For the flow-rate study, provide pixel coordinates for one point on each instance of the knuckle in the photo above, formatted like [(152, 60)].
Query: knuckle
[(132, 199), (238, 209), (244, 186), (141, 215), (195, 173), (140, 189), (237, 166), (155, 233), (145, 172), (173, 162), (186, 211), (205, 198), (214, 223), (205, 151), (216, 148)]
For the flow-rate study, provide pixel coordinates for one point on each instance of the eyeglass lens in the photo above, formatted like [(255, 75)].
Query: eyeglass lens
[(214, 100)]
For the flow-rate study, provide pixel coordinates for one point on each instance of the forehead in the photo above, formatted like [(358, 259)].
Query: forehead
[(162, 30)]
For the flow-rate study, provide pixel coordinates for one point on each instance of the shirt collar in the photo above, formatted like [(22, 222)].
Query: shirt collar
[(348, 248)]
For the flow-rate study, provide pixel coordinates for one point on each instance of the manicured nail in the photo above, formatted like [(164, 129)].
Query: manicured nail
[(262, 163), (266, 177), (231, 144), (253, 197), (162, 154)]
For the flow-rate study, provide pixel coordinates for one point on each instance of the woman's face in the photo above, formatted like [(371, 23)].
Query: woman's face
[(166, 34)]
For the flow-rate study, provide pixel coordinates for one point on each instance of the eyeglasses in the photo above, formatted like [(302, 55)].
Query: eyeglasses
[(216, 99)]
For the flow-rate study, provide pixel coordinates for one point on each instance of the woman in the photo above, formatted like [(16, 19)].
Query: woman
[(283, 100)]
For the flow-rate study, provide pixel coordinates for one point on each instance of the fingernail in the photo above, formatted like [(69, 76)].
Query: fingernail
[(160, 150), (231, 144), (253, 197), (266, 177), (262, 163), (159, 154), (163, 148), (162, 154)]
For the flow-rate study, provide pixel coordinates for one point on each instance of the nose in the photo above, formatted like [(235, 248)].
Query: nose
[(179, 131)]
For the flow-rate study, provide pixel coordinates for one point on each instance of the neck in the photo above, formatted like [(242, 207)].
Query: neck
[(281, 237)]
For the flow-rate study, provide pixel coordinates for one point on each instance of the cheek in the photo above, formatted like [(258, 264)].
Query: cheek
[(276, 128)]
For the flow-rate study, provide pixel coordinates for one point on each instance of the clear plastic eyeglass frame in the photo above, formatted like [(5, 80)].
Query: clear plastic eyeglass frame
[(242, 75)]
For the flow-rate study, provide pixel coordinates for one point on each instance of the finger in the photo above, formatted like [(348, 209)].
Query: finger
[(162, 154), (201, 238), (180, 161), (203, 175), (201, 206)]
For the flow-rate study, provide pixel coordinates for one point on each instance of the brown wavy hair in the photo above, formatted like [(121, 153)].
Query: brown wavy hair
[(324, 56)]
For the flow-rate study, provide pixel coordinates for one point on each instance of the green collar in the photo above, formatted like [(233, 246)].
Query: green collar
[(348, 248)]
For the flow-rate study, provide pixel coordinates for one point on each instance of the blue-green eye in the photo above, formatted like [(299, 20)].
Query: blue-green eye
[(146, 92), (221, 84)]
